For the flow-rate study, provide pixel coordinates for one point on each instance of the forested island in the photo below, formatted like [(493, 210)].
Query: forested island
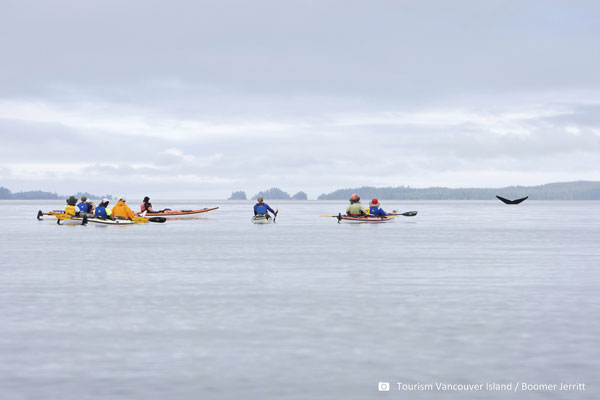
[(580, 190), (270, 194), (6, 194), (278, 194)]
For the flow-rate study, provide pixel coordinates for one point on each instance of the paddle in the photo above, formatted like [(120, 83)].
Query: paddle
[(275, 215), (406, 214), (63, 216), (142, 220)]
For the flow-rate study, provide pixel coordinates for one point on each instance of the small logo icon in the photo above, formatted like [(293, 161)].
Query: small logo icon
[(384, 386)]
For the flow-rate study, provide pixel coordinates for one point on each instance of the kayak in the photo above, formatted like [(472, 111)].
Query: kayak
[(65, 219), (363, 220), (261, 219), (179, 214)]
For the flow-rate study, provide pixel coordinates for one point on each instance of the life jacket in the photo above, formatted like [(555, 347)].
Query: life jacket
[(101, 212), (145, 206), (376, 211), (260, 210), (83, 207), (69, 209), (355, 209)]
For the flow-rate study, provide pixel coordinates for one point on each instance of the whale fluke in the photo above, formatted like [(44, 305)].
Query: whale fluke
[(507, 201)]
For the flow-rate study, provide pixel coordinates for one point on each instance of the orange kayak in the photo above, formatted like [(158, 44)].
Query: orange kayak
[(180, 213)]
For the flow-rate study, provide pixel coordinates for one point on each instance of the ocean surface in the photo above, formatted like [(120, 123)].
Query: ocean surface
[(466, 292)]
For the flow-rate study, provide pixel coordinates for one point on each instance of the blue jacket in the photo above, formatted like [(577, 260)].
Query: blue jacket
[(100, 212), (262, 208), (376, 211), (83, 207)]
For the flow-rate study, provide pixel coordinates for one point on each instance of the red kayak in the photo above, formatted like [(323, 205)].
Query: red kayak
[(363, 219)]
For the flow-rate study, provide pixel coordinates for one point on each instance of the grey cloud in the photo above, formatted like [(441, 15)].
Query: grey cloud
[(389, 51)]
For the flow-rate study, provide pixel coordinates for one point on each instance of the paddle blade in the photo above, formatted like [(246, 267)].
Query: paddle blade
[(406, 214), (159, 220)]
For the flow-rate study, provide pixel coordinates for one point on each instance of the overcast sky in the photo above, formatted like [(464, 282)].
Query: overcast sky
[(196, 99)]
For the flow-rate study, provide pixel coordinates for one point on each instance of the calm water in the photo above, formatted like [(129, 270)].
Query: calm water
[(219, 308)]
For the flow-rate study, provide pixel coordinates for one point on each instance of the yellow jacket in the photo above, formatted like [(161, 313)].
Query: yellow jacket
[(122, 210), (70, 210)]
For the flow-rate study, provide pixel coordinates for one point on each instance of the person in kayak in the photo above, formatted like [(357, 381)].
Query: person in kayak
[(355, 208), (70, 207), (122, 210), (262, 208), (102, 211), (375, 210), (84, 205), (146, 205)]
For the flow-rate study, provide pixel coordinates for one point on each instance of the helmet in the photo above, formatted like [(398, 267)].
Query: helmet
[(122, 198), (354, 197), (105, 200), (72, 201), (374, 202)]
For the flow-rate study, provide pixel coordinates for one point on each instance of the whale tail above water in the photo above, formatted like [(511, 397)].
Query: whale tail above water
[(507, 201)]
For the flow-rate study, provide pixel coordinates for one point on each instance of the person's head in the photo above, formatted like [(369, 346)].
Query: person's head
[(92, 205), (259, 199), (123, 199), (104, 202), (72, 201), (83, 199), (375, 202), (146, 199), (354, 198)]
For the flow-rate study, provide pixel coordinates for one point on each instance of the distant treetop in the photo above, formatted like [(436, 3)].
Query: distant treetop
[(6, 194), (239, 195), (278, 194), (300, 196), (581, 190)]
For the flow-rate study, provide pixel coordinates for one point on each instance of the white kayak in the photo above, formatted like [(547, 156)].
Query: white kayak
[(93, 220), (65, 219), (262, 219)]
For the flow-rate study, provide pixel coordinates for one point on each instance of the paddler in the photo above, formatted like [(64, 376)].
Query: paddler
[(146, 205), (102, 211), (83, 206), (355, 208), (262, 208), (122, 210), (375, 210), (70, 207), (91, 207)]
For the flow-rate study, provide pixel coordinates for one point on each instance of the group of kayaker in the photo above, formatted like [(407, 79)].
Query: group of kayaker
[(355, 208), (122, 210), (119, 210)]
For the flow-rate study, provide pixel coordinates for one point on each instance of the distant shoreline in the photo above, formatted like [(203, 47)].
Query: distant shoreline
[(579, 190)]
